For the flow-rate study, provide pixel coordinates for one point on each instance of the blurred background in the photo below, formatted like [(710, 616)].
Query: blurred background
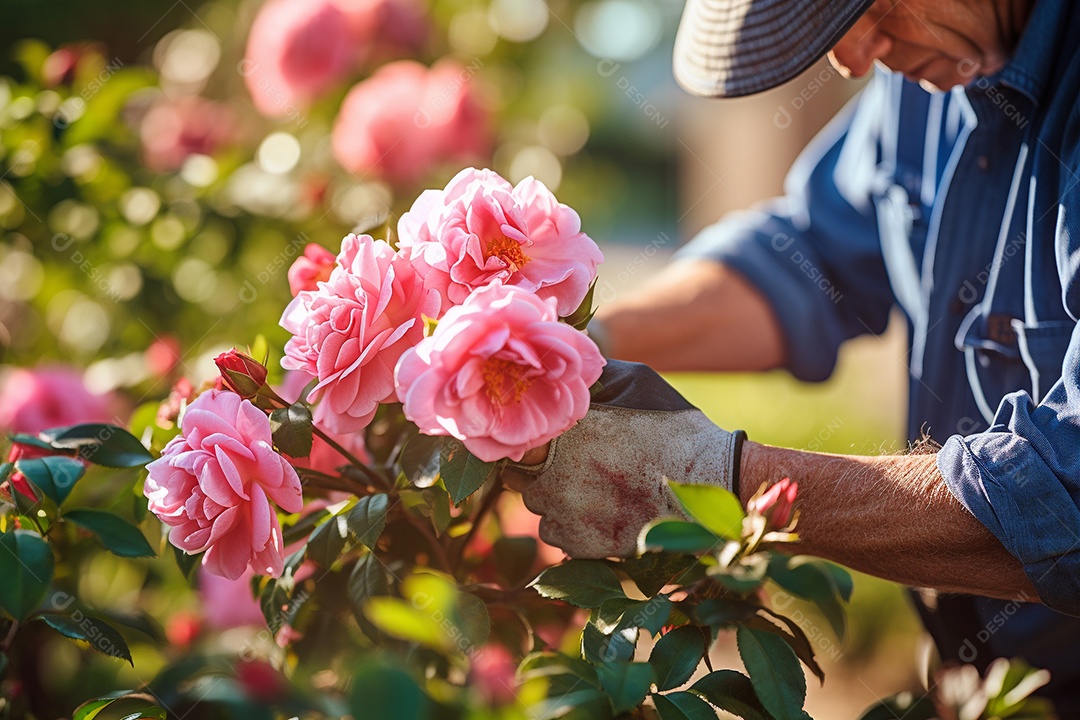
[(162, 163)]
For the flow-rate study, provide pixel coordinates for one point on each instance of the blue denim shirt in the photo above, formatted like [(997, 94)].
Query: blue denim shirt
[(963, 209)]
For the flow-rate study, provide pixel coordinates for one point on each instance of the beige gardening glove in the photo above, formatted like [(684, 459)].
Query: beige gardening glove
[(603, 479)]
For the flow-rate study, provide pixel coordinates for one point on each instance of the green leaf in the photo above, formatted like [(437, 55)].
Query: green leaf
[(101, 636), (100, 444), (652, 571), (26, 569), (367, 580), (92, 708), (381, 691), (583, 704), (115, 533), (585, 583), (731, 691), (810, 579), (368, 518), (328, 540), (598, 648), (420, 459), (626, 684), (650, 615), (712, 506), (679, 536), (544, 664), (186, 562), (677, 654), (462, 472), (292, 430), (774, 671), (683, 706), (472, 619), (399, 619), (717, 612), (580, 318), (55, 476), (795, 637)]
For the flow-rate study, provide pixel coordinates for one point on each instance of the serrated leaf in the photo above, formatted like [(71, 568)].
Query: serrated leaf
[(472, 619), (101, 636), (774, 671), (26, 569), (677, 654), (679, 536), (808, 578), (794, 636), (585, 583), (118, 535), (683, 706), (652, 571), (101, 444), (712, 506), (730, 691), (626, 684), (598, 648), (55, 476), (650, 615), (462, 472), (368, 518), (292, 430)]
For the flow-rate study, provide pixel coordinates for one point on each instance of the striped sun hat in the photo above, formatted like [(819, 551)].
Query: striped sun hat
[(729, 48)]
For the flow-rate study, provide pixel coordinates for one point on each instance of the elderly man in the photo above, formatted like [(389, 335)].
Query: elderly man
[(949, 188)]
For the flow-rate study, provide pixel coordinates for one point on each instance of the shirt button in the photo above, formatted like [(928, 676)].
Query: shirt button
[(983, 162)]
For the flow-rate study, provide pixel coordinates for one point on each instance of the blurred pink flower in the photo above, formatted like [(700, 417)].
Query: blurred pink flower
[(500, 373), (216, 483), (405, 119), (350, 332), (32, 400), (163, 355), (385, 29), (296, 51), (310, 268), (493, 675), (481, 228), (228, 603), (174, 129)]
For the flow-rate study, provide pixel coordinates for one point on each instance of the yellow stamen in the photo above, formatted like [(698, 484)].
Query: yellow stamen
[(507, 250), (505, 381)]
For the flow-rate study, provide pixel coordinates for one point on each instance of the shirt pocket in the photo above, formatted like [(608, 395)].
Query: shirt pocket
[(1042, 347), (992, 358)]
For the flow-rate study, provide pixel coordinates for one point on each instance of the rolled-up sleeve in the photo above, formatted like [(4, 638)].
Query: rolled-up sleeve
[(815, 254), (1021, 478)]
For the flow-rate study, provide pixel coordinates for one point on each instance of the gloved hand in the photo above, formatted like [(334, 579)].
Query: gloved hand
[(603, 479)]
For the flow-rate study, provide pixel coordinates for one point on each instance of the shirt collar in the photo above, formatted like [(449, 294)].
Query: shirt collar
[(1032, 66)]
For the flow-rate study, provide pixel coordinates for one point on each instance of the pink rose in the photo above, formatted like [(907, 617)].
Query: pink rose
[(48, 397), (311, 268), (323, 457), (215, 485), (481, 228), (405, 119), (174, 129), (350, 332), (500, 373), (297, 50), (777, 503), (385, 29)]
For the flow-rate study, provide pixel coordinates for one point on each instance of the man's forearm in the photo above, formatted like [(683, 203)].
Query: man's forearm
[(694, 315), (889, 516)]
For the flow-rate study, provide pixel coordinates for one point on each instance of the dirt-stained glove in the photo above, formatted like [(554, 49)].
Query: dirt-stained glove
[(603, 479)]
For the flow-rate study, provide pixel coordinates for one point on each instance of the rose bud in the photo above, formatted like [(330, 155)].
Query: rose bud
[(777, 503), (242, 374)]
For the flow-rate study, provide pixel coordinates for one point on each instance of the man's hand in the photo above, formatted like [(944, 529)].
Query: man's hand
[(603, 480)]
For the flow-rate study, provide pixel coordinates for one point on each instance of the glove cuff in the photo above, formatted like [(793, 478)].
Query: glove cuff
[(736, 461)]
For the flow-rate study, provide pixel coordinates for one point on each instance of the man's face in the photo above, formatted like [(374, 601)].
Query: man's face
[(938, 43)]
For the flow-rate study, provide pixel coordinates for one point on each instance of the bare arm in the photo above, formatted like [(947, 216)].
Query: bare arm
[(695, 315), (889, 516)]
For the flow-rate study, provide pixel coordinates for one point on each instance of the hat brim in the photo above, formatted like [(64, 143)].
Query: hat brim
[(731, 48)]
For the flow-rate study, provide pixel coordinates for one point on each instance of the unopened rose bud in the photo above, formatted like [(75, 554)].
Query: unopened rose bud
[(242, 374), (777, 503)]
